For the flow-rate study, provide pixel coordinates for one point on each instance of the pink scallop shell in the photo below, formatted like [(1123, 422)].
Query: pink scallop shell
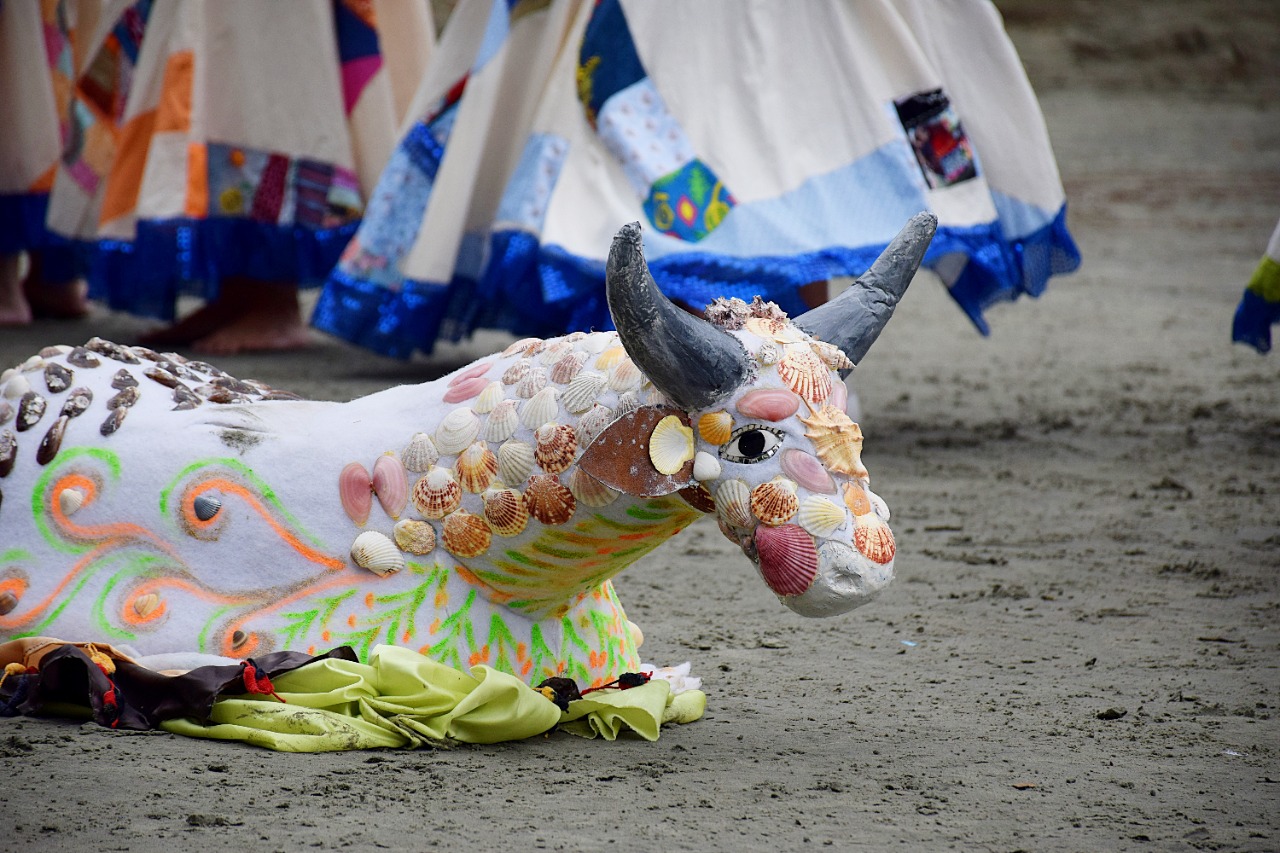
[(391, 484), (355, 492), (471, 372), (770, 404), (788, 558), (807, 471), (466, 389)]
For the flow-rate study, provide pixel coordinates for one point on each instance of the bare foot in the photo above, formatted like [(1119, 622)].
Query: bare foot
[(271, 319), (54, 300), (197, 325), (14, 310)]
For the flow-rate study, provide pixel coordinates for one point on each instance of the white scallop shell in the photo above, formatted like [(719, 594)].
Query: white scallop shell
[(599, 342), (569, 366), (491, 396), (654, 397), (376, 552), (627, 402), (591, 423), (584, 390), (456, 432), (516, 371), (733, 503), (502, 422), (541, 408), (625, 376), (554, 352), (670, 445), (515, 461), (420, 453), (589, 491), (533, 381), (821, 516)]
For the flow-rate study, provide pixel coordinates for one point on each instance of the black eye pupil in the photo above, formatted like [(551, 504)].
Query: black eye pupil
[(751, 443)]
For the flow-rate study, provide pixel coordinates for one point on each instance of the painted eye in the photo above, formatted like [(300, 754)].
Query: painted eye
[(752, 443)]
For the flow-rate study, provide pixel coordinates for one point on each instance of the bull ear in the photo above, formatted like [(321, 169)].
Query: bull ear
[(692, 362), (619, 455), (853, 320)]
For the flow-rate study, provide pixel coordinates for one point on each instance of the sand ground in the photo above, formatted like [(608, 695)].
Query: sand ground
[(1081, 650)]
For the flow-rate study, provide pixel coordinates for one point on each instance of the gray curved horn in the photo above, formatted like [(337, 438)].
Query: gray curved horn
[(854, 319), (692, 362)]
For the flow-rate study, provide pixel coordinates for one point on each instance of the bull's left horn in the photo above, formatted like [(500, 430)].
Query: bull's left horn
[(692, 362), (854, 319)]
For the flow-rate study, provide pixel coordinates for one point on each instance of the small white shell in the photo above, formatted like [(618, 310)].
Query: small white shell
[(591, 423), (821, 516), (516, 371), (502, 423), (456, 432), (376, 552), (515, 461), (600, 341), (554, 352), (705, 467), (768, 355), (16, 386), (533, 381), (70, 500), (420, 453), (584, 390), (541, 408), (625, 376), (491, 396), (733, 504)]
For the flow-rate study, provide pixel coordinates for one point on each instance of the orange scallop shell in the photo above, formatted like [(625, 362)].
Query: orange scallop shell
[(774, 502), (466, 534), (557, 445), (805, 374), (874, 539), (437, 494), (715, 427), (476, 467), (549, 501), (506, 511)]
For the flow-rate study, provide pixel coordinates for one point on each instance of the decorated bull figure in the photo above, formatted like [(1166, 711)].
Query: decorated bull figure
[(159, 503)]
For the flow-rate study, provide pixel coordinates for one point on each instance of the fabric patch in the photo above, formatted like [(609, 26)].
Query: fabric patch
[(358, 49), (942, 149), (270, 187), (636, 126), (607, 60), (689, 203), (528, 193)]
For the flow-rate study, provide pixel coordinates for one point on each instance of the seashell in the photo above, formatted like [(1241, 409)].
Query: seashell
[(856, 499), (416, 537), (715, 427), (733, 503), (205, 506), (376, 552), (625, 376), (670, 445), (465, 390), (476, 467), (607, 359), (502, 423), (698, 497), (627, 403), (599, 342), (874, 539), (238, 639), (589, 491), (592, 423), (654, 397), (515, 461), (549, 501), (126, 398), (70, 500), (30, 410), (533, 381), (516, 371), (520, 346), (16, 386), (807, 471), (77, 402), (111, 350), (6, 412), (878, 505), (8, 451), (8, 603), (574, 337), (162, 376), (58, 378), (705, 467), (437, 494), (774, 502), (556, 448), (788, 558), (466, 534), (355, 492), (821, 516), (123, 379), (390, 484), (837, 440), (32, 364), (584, 391), (491, 396), (769, 404), (768, 355), (81, 357), (766, 327), (113, 421), (224, 381), (145, 605), (506, 511), (54, 351), (147, 353), (839, 396), (209, 370), (541, 408), (831, 355), (472, 372), (637, 636), (805, 374), (458, 429), (185, 398), (569, 366), (52, 441), (555, 351), (420, 453)]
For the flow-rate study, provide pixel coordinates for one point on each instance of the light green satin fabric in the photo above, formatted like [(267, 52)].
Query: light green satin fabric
[(403, 699)]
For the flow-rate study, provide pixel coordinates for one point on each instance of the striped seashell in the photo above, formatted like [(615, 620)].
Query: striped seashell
[(113, 421), (733, 504), (491, 396), (574, 337), (766, 327), (420, 453), (627, 403), (625, 376), (555, 351), (437, 494), (556, 447), (416, 537), (774, 502), (768, 355), (589, 491), (821, 516), (541, 408), (569, 366), (533, 381), (376, 552), (874, 539), (788, 558), (126, 398), (584, 391), (31, 409), (355, 491), (805, 374), (476, 467), (77, 402), (609, 358), (520, 346), (807, 471), (58, 378), (768, 404), (70, 500), (592, 422), (52, 441), (145, 605), (670, 445), (390, 484), (466, 389), (549, 501), (466, 534), (831, 355), (516, 371), (715, 427), (502, 422), (856, 499), (205, 507), (515, 461), (506, 511), (654, 397), (534, 346), (458, 429)]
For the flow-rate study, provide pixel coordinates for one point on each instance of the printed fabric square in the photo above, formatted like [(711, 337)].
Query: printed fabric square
[(690, 203), (528, 192), (933, 129)]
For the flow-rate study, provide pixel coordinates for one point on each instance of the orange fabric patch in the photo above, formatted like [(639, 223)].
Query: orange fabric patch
[(174, 110), (125, 178), (44, 183), (197, 203)]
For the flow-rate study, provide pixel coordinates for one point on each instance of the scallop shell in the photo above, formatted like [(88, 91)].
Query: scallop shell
[(533, 381), (654, 397), (592, 423), (774, 502), (476, 467), (767, 355), (555, 351), (768, 404), (145, 605), (541, 408), (805, 374), (390, 484), (549, 501), (516, 371), (376, 552), (502, 422), (506, 511), (627, 403), (589, 491), (874, 539), (596, 343), (58, 378), (520, 346), (831, 355), (466, 534), (416, 537), (515, 461), (557, 445), (609, 358), (670, 445), (625, 376), (70, 500), (458, 429), (437, 494), (807, 471), (837, 440), (733, 503), (766, 327), (466, 389), (856, 499), (489, 398), (355, 490), (569, 366), (584, 390), (788, 558), (205, 507), (715, 427), (420, 453), (821, 516)]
